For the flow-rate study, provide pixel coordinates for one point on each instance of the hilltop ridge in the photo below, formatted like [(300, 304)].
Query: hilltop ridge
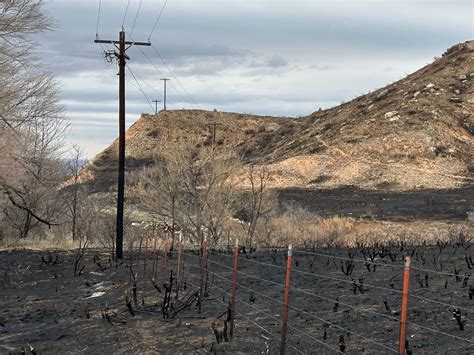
[(416, 133)]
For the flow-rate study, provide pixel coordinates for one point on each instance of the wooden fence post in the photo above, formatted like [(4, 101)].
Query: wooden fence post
[(234, 287), (284, 325), (403, 315), (203, 266)]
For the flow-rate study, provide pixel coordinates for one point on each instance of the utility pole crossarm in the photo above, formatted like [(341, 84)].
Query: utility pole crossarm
[(131, 43)]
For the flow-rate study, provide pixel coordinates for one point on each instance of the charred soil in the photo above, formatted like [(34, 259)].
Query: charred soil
[(337, 292)]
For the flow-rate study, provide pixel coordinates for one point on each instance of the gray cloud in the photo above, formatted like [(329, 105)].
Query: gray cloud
[(262, 56), (277, 61)]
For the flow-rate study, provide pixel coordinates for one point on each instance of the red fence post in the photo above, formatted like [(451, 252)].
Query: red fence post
[(403, 315), (203, 266), (234, 287), (284, 325), (178, 266)]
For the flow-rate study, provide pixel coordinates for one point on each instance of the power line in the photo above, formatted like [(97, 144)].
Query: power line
[(174, 76), (141, 89), (132, 84), (163, 75), (158, 19), (147, 84), (125, 15), (136, 16), (151, 87), (98, 19)]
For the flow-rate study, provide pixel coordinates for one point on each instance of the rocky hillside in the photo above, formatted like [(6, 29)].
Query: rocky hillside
[(416, 133), (152, 132)]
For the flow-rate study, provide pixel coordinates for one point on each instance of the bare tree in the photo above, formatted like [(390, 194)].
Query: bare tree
[(31, 183), (159, 189), (208, 194), (191, 184), (73, 195), (31, 121), (28, 92), (256, 203)]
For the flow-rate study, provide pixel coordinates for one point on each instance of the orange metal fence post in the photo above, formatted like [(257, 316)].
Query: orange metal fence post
[(178, 266), (203, 266), (403, 315), (284, 325), (234, 287)]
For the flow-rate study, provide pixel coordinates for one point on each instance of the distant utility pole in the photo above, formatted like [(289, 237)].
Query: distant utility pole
[(213, 131), (156, 105), (122, 57), (164, 93)]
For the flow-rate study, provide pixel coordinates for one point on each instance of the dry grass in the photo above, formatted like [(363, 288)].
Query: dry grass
[(47, 242), (314, 232)]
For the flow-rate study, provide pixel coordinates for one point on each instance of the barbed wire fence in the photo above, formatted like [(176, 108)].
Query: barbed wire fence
[(301, 301)]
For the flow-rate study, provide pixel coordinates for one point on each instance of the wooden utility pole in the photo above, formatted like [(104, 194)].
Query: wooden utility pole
[(156, 105), (213, 131), (164, 93), (122, 57)]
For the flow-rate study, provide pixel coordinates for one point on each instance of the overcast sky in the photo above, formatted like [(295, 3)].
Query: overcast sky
[(284, 58)]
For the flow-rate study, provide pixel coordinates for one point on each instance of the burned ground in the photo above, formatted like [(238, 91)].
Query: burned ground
[(353, 293), (423, 204)]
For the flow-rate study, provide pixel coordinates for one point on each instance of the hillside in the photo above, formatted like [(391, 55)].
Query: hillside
[(416, 133), (152, 131)]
